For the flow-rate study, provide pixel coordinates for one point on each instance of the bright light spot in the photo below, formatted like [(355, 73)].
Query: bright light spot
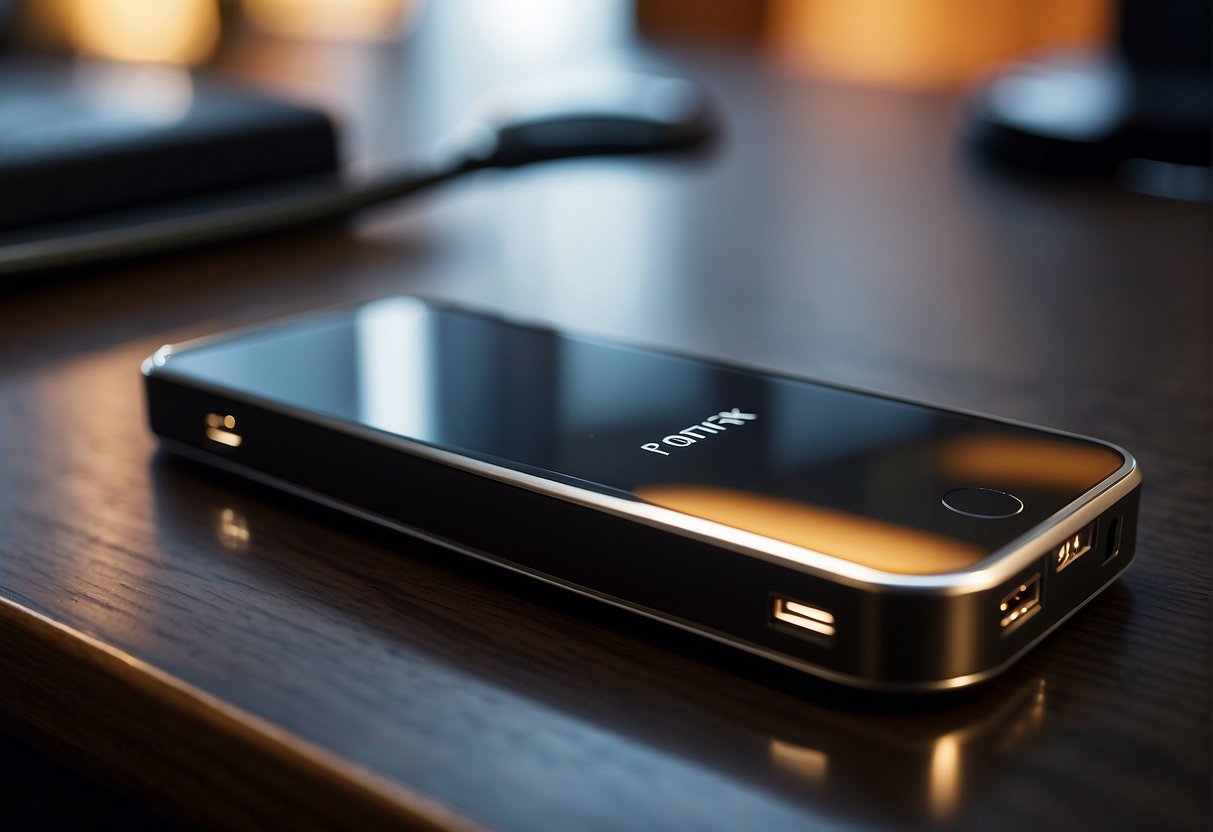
[(1082, 99), (149, 31), (221, 429), (538, 32), (231, 529), (152, 93), (800, 760), (945, 786), (331, 19)]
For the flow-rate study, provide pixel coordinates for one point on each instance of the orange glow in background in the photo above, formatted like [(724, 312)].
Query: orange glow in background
[(178, 32), (914, 44), (186, 32), (924, 44), (331, 19)]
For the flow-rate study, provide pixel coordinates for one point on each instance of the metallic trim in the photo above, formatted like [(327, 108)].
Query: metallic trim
[(821, 671), (1001, 565)]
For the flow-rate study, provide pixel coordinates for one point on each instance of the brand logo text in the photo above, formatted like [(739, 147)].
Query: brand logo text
[(709, 426)]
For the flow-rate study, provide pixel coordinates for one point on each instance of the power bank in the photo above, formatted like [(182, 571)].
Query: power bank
[(80, 142), (875, 542)]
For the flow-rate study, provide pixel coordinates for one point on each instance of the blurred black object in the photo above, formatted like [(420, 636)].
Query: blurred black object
[(619, 113), (1139, 113), (80, 139)]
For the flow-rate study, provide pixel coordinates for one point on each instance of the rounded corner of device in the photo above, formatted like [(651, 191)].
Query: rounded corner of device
[(156, 360), (1131, 469)]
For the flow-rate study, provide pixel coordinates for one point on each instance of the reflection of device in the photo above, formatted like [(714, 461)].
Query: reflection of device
[(872, 541), (943, 761)]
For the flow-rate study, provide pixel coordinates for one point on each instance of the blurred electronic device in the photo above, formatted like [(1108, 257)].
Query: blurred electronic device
[(871, 541), (101, 162), (1139, 112), (84, 139)]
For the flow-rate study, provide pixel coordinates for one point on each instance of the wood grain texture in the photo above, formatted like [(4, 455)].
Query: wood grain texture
[(240, 653)]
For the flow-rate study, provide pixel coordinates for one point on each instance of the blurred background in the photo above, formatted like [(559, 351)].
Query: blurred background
[(1112, 88), (924, 44), (1114, 91), (905, 44)]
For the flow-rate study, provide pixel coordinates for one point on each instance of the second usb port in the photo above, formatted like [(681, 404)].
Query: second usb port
[(1021, 603), (1074, 547)]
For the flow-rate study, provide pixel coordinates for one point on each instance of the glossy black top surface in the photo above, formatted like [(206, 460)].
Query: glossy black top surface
[(851, 474)]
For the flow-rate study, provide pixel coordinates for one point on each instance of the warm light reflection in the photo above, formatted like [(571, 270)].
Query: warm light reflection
[(804, 616), (937, 770), (925, 44), (231, 530), (1024, 725), (876, 543), (1026, 461), (331, 19), (1001, 731), (799, 760), (221, 429), (151, 31), (945, 777), (232, 440)]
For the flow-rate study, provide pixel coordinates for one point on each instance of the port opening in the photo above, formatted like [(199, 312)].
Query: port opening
[(803, 616), (1111, 546), (1074, 547), (1020, 604), (221, 428)]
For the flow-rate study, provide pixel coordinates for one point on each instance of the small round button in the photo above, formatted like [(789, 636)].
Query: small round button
[(986, 503)]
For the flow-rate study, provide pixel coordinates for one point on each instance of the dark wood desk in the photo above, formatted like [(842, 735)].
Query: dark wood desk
[(244, 658)]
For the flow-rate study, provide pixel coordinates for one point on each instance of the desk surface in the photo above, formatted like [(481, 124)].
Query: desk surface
[(243, 657)]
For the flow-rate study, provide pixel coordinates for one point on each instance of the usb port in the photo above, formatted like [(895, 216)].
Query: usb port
[(796, 614), (221, 428), (1021, 603), (1074, 547)]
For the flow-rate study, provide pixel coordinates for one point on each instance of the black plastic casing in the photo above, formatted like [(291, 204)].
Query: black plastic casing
[(931, 634)]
